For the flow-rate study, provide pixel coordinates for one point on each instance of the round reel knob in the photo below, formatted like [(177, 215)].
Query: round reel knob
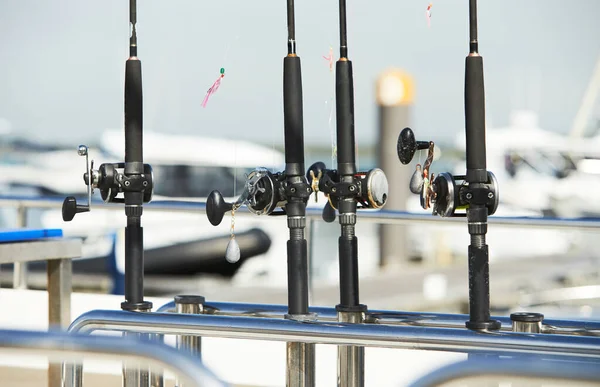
[(216, 207), (377, 188), (408, 145)]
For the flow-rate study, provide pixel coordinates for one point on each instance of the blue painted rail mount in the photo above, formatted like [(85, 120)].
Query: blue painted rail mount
[(28, 234)]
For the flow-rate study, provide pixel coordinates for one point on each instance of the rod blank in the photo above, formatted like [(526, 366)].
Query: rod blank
[(343, 31), (293, 114), (133, 111)]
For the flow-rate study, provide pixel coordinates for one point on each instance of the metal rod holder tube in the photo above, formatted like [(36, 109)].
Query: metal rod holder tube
[(190, 305), (157, 378), (527, 322), (300, 364), (189, 344), (351, 360), (133, 374)]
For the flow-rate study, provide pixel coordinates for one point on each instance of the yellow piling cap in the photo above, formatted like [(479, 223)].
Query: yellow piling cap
[(395, 87)]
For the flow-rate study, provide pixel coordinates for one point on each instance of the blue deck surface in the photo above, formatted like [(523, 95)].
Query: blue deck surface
[(28, 234)]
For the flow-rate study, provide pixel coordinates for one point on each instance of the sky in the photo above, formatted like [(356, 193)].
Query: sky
[(62, 63)]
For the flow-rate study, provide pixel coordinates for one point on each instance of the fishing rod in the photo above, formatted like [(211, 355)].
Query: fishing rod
[(286, 193), (130, 183), (476, 192), (346, 189)]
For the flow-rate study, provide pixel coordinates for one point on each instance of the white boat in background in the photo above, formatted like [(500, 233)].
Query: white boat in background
[(185, 168), (539, 173), (543, 171)]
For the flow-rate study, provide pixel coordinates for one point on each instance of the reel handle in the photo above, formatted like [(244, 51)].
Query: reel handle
[(328, 214), (261, 196), (315, 171), (314, 174), (407, 145), (216, 207), (70, 208)]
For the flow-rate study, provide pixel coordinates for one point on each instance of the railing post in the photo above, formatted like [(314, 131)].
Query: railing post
[(20, 268), (59, 307)]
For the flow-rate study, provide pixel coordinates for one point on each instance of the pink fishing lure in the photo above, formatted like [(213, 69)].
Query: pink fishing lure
[(329, 58), (213, 89), (428, 14)]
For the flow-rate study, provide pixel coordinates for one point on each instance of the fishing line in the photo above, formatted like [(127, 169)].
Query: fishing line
[(273, 158), (330, 59), (330, 103), (234, 168)]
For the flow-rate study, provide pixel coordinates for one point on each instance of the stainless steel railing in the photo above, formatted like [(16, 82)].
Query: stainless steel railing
[(375, 216), (390, 317), (557, 347), (521, 372), (501, 343), (369, 335), (69, 347)]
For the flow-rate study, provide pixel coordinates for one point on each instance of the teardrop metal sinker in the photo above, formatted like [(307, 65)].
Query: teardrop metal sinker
[(261, 197), (416, 181), (232, 254)]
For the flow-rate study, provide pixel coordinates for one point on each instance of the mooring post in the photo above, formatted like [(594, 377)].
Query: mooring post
[(395, 95)]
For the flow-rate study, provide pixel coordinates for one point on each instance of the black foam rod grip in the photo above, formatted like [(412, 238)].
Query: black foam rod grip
[(297, 276), (348, 255), (292, 110), (134, 263), (344, 95), (479, 284), (475, 119), (133, 111)]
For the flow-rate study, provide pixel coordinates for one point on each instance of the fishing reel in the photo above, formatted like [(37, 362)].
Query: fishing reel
[(263, 193), (369, 189), (110, 179), (444, 193)]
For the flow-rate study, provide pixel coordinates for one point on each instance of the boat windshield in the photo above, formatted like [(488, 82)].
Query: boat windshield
[(549, 164), (189, 181)]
